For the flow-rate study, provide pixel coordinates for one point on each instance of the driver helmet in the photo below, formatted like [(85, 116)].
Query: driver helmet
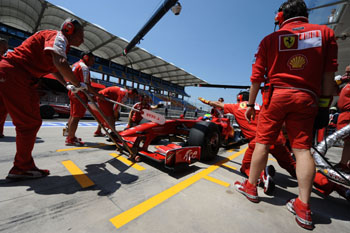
[(207, 117)]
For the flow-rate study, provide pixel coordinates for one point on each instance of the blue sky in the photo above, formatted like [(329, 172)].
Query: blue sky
[(213, 40)]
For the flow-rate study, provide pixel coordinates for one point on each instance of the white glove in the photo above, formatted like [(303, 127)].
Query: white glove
[(75, 89), (338, 77)]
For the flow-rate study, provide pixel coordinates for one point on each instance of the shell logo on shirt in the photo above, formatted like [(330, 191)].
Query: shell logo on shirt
[(297, 62)]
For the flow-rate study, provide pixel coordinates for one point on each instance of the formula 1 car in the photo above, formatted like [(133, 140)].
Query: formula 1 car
[(179, 141)]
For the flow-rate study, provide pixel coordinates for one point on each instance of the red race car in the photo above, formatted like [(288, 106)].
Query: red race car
[(180, 141)]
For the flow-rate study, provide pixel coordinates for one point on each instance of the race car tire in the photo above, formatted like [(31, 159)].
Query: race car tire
[(47, 112), (206, 135)]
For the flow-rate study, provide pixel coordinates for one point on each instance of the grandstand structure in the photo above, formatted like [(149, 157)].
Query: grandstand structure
[(159, 79)]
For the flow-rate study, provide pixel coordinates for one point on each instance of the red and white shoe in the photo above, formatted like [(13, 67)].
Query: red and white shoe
[(248, 190), (302, 213), (74, 142), (16, 173)]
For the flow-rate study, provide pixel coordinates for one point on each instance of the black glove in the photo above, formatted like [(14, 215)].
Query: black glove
[(322, 118), (160, 105)]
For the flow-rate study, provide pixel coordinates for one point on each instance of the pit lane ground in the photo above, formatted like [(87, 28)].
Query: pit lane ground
[(95, 189)]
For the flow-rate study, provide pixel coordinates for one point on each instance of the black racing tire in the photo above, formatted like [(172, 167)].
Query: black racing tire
[(206, 135), (47, 112)]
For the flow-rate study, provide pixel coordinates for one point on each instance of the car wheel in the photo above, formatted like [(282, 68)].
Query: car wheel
[(206, 135), (47, 112)]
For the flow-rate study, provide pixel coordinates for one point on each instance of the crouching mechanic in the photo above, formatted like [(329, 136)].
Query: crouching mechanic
[(40, 54), (344, 118), (77, 109), (117, 94), (279, 150), (135, 117)]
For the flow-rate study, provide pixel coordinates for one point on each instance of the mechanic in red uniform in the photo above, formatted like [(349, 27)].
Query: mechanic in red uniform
[(77, 109), (279, 150), (217, 112), (40, 54), (117, 94), (344, 119), (3, 112), (135, 116), (299, 61)]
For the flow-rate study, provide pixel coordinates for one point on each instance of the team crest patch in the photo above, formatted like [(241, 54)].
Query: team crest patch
[(289, 42), (300, 41), (243, 105), (297, 62)]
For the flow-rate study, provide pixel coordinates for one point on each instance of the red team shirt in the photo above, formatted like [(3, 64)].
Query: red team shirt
[(114, 93), (29, 56), (344, 98), (298, 47), (344, 106), (238, 110)]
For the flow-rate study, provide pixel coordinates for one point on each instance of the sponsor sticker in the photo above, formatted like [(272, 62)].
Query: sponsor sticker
[(300, 41), (190, 154), (297, 62)]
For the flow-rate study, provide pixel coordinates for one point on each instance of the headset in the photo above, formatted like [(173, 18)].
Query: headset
[(68, 26), (286, 10), (86, 55), (279, 18), (240, 96)]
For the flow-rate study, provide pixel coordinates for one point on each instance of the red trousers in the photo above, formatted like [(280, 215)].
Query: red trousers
[(21, 101), (3, 114)]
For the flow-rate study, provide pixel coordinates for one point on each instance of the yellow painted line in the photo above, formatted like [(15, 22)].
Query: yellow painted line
[(136, 211), (84, 147), (127, 162), (220, 182), (228, 166), (78, 174)]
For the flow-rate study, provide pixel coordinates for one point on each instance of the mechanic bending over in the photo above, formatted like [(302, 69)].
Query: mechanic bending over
[(299, 61), (77, 109), (279, 150), (117, 94), (42, 53)]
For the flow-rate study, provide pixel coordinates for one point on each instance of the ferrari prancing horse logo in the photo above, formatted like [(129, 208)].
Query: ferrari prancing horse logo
[(289, 41)]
